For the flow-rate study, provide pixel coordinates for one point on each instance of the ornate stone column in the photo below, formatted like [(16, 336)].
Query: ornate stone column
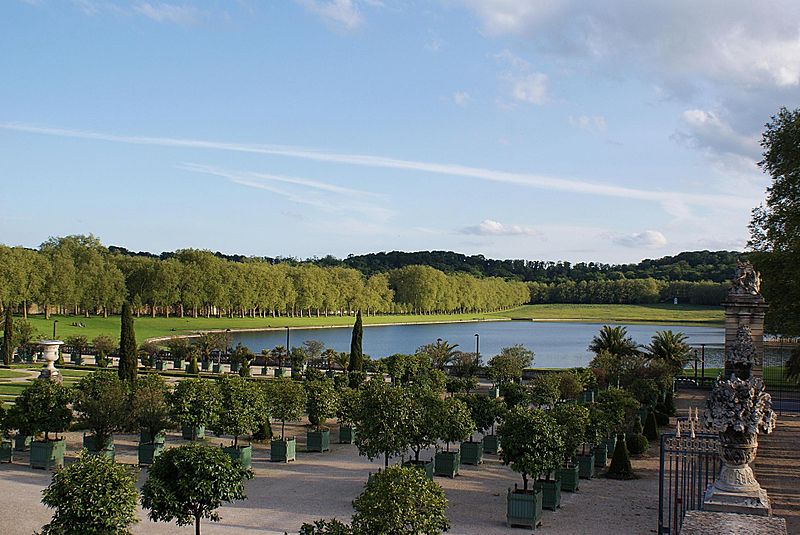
[(745, 306), (50, 352)]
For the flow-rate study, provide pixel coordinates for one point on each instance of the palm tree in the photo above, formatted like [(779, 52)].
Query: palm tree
[(329, 355), (342, 359), (670, 347), (278, 353), (440, 354), (615, 341)]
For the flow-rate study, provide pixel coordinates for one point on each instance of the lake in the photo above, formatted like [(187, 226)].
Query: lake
[(555, 344)]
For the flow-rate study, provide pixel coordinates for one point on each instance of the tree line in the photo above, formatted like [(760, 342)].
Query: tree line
[(629, 291), (79, 275)]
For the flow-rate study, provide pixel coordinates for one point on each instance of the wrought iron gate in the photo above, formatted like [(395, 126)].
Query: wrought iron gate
[(689, 464)]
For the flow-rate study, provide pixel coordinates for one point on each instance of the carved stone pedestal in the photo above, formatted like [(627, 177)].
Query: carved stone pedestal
[(50, 351), (736, 490), (706, 523)]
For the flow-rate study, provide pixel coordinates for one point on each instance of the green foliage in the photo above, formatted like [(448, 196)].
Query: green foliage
[(356, 353), (326, 527), (793, 366), (383, 419), (483, 410), (455, 421), (101, 401), (573, 421), (670, 348), (403, 369), (41, 407), (650, 426), (620, 467), (514, 394), (600, 424), (193, 368), (637, 444), (127, 346), (238, 408), (243, 356), (570, 384), (545, 389), (195, 402), (509, 364), (189, 483), (356, 378), (149, 407), (646, 391), (8, 336), (455, 385), (400, 500), (286, 400), (348, 402), (439, 354), (93, 496), (619, 407), (424, 411), (614, 340), (532, 442), (321, 401)]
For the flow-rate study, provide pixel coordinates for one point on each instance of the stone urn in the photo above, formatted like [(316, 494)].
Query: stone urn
[(50, 350), (738, 450)]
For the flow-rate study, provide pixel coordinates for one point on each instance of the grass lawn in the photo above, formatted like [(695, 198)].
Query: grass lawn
[(147, 327), (12, 374)]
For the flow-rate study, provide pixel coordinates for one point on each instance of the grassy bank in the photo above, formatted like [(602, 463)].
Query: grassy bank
[(152, 327)]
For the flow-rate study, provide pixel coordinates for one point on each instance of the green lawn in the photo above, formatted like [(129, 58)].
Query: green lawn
[(12, 374), (153, 327)]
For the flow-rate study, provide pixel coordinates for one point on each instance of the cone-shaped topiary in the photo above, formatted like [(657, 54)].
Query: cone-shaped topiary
[(637, 444), (650, 427), (621, 461)]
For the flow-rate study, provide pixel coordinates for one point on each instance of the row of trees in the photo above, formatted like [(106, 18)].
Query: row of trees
[(77, 274), (628, 291)]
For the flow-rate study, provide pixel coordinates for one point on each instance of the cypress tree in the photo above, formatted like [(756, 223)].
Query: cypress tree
[(127, 346), (8, 337), (621, 461), (356, 355), (650, 426)]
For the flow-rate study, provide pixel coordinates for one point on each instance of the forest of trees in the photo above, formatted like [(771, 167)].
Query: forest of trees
[(629, 291), (78, 275)]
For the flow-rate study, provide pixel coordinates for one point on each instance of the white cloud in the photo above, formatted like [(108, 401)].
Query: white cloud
[(462, 98), (523, 85), (594, 123), (531, 88), (490, 227), (649, 239), (165, 12), (706, 130), (341, 14)]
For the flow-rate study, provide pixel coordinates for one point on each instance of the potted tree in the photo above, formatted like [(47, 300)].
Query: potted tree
[(423, 425), (6, 447), (101, 401), (77, 345), (189, 483), (572, 421), (321, 402), (348, 400), (455, 425), (44, 407), (596, 435), (484, 413), (151, 412), (531, 445), (286, 400), (237, 415), (93, 495), (195, 405), (382, 417), (103, 346)]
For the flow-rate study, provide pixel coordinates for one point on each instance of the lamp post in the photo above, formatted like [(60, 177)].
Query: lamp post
[(478, 350), (54, 329)]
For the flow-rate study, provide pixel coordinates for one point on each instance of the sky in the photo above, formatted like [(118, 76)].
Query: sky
[(538, 129)]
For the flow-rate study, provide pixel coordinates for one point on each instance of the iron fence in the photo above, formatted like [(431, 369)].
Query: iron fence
[(689, 464)]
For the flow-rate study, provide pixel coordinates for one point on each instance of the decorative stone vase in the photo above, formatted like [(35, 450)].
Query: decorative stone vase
[(524, 508), (283, 451), (472, 452), (551, 493), (104, 450), (193, 433), (318, 440), (347, 434), (491, 444), (736, 489), (50, 354), (48, 454), (586, 466), (148, 452), (600, 455), (569, 478), (426, 466), (22, 442), (446, 463), (240, 454), (6, 451)]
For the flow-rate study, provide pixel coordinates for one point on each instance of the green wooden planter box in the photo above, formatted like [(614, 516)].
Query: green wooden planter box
[(427, 466), (205, 365), (236, 366), (22, 442), (587, 396), (283, 451), (6, 451), (610, 443), (75, 358), (241, 454), (319, 440), (179, 364), (472, 452), (494, 392), (160, 365), (148, 452), (524, 509), (193, 433), (600, 456), (278, 372), (144, 438), (569, 478), (347, 434), (586, 466), (551, 493), (48, 454), (491, 444), (105, 450), (446, 463)]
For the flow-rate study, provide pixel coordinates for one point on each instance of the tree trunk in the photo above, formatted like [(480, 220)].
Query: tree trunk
[(25, 309), (46, 311), (386, 460), (197, 524)]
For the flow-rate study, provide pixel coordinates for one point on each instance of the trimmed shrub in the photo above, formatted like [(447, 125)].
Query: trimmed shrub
[(621, 461), (637, 444), (662, 419), (651, 427)]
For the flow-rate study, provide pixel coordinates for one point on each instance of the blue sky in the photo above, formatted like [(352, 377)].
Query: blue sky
[(552, 129)]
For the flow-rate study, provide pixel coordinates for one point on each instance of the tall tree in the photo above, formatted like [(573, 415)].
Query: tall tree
[(775, 227), (127, 346), (356, 354), (8, 336)]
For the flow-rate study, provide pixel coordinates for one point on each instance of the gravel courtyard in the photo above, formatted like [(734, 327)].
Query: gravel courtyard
[(320, 485)]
